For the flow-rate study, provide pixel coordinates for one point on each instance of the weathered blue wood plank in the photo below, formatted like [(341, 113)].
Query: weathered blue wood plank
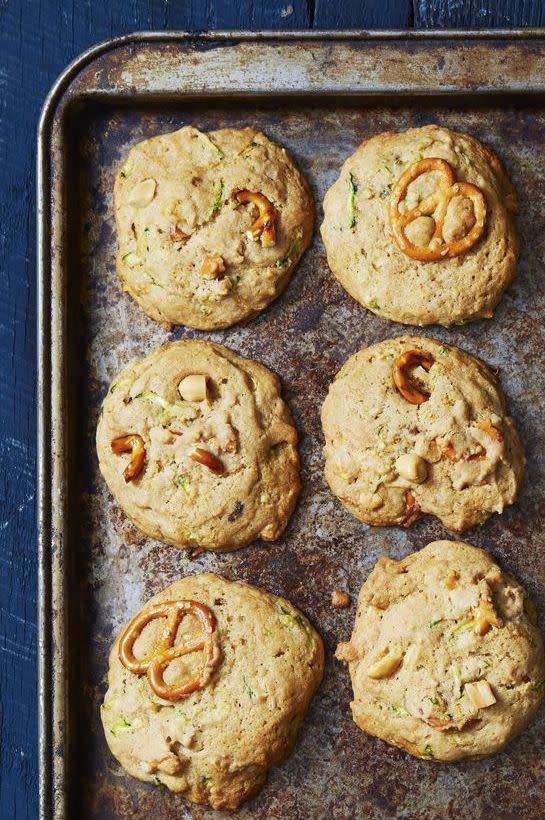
[(251, 14), (364, 14), (478, 13)]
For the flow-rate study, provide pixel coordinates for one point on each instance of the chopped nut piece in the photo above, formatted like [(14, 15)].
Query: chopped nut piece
[(440, 723), (480, 694), (193, 388), (208, 459), (263, 227), (340, 599), (485, 616), (134, 444), (412, 467), (176, 234), (213, 266), (411, 358), (385, 666), (142, 193)]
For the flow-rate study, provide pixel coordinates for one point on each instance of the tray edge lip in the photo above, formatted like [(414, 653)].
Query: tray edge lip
[(46, 802)]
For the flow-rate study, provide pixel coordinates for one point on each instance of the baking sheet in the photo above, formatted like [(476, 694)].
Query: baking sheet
[(319, 96)]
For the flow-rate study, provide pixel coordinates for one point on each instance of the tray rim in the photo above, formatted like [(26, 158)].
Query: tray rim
[(51, 795)]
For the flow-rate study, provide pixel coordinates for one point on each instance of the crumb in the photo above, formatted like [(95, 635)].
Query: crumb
[(340, 599)]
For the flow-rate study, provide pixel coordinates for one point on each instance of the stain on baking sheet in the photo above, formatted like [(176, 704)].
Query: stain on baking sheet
[(305, 336)]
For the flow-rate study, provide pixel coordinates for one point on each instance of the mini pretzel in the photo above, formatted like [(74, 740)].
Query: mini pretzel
[(134, 444), (165, 651), (436, 204), (411, 358), (412, 510), (207, 459), (263, 227)]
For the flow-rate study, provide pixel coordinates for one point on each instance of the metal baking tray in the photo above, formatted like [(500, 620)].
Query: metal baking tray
[(320, 95)]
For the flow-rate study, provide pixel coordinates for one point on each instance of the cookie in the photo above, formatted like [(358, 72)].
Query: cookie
[(212, 723), (419, 227), (198, 447), (210, 225), (446, 660), (415, 427)]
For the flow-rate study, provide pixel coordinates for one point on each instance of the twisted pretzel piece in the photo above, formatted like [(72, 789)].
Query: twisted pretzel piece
[(263, 227), (164, 651), (435, 204), (411, 358), (133, 444)]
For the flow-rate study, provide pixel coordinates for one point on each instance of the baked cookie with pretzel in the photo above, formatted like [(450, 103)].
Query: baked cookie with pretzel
[(208, 687), (414, 427), (210, 225), (445, 658), (419, 227), (198, 447)]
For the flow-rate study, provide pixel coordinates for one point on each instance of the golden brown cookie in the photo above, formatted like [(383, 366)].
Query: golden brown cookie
[(198, 447), (446, 660), (415, 427), (258, 665), (210, 225), (419, 227)]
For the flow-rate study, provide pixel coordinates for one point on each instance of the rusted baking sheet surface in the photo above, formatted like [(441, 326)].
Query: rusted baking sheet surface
[(314, 96)]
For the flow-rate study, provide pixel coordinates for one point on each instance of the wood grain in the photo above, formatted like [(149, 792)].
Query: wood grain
[(478, 13), (37, 39), (364, 14)]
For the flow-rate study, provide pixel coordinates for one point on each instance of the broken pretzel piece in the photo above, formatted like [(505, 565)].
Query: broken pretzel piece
[(133, 444), (263, 227), (450, 452), (412, 510), (406, 361), (208, 459), (176, 234), (486, 617)]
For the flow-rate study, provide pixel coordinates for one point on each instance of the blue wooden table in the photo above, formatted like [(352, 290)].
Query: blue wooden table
[(37, 39)]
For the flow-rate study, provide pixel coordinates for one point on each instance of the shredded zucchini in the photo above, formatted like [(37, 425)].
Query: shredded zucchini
[(216, 205), (289, 618), (120, 725), (247, 688), (463, 626), (351, 204), (400, 711)]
